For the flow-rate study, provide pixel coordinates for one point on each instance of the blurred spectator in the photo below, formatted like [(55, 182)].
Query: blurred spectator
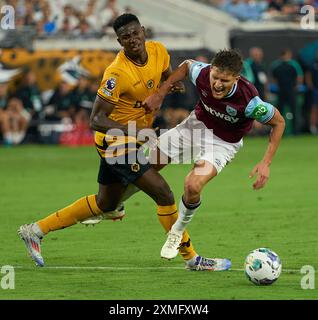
[(29, 93), (280, 8), (311, 77), (48, 24), (288, 74), (91, 16), (28, 14), (245, 10), (4, 96), (83, 29), (82, 98), (38, 7), (313, 3), (59, 106), (14, 120), (68, 13), (255, 10), (258, 74), (19, 22), (66, 27), (108, 14), (276, 5), (87, 17)]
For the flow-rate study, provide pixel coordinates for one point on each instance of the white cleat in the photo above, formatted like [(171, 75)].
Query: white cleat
[(208, 264), (117, 214), (32, 242), (171, 247)]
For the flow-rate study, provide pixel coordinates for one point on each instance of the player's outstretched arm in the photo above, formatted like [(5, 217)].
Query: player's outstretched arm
[(177, 86), (262, 168), (99, 120), (154, 101)]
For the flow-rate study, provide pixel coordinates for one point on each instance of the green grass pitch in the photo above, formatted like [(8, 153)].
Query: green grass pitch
[(121, 260)]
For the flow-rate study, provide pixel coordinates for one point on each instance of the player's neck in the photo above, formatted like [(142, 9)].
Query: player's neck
[(138, 59)]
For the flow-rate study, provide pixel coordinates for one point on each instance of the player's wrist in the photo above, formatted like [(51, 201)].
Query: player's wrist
[(266, 162), (164, 89)]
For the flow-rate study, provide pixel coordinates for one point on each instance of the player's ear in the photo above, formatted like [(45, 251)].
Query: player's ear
[(143, 30), (237, 78)]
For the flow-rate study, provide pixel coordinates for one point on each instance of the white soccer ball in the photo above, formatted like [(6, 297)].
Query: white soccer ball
[(263, 266)]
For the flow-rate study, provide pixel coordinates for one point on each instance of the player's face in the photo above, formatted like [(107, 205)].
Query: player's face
[(221, 82), (132, 38)]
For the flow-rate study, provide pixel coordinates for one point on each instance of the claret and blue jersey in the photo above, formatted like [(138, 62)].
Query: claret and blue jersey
[(232, 116)]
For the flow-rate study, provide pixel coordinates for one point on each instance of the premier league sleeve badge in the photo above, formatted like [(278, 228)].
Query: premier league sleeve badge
[(110, 83)]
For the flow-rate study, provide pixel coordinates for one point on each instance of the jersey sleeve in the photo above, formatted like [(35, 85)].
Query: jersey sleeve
[(259, 110), (195, 69), (112, 86)]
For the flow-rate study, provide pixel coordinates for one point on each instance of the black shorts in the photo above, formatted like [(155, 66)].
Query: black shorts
[(123, 171)]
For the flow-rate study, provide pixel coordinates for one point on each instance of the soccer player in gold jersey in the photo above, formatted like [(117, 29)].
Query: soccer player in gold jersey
[(135, 74)]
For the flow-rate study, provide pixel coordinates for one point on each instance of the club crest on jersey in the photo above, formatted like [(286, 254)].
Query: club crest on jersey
[(231, 111), (150, 84), (110, 83), (135, 167)]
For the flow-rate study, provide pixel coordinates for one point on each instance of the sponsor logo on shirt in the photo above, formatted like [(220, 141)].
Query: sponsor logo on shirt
[(220, 115)]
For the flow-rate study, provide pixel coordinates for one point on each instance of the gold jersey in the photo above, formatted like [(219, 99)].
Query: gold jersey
[(126, 84)]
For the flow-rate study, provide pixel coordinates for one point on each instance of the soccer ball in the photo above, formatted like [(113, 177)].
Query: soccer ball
[(263, 266)]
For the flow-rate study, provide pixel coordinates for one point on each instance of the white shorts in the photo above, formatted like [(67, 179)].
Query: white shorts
[(191, 141)]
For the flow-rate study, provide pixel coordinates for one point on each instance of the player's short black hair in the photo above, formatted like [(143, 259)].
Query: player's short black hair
[(230, 60), (124, 19)]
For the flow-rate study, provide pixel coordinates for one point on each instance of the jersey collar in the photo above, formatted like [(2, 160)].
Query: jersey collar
[(232, 91), (134, 62)]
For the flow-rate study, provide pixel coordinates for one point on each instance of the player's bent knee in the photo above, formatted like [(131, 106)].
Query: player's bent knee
[(192, 188)]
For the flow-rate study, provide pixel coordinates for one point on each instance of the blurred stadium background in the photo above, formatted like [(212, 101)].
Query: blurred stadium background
[(52, 61)]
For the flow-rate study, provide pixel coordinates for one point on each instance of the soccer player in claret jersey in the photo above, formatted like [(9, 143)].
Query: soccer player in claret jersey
[(228, 104), (135, 74)]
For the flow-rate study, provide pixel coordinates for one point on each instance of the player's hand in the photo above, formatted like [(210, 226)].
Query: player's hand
[(262, 170), (153, 102), (178, 87)]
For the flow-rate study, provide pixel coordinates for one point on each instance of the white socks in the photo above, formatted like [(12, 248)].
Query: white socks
[(186, 212)]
